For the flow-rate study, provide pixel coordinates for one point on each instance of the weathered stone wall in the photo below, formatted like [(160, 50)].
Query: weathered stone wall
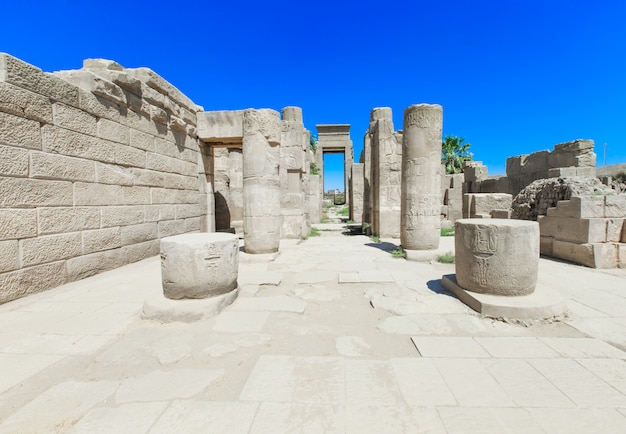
[(293, 159), (356, 193), (385, 174), (96, 166), (587, 230), (451, 197), (575, 158)]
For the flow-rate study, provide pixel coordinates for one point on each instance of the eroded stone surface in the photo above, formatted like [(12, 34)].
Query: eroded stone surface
[(199, 265), (421, 168), (497, 256)]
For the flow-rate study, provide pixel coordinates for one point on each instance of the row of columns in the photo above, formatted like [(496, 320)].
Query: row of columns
[(402, 171), (411, 159)]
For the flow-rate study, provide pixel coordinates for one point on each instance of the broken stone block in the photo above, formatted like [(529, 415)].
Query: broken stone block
[(574, 230), (615, 205), (594, 255)]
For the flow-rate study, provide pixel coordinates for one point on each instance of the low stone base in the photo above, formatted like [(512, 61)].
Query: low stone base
[(423, 255), (543, 303), (446, 246), (165, 310), (256, 258)]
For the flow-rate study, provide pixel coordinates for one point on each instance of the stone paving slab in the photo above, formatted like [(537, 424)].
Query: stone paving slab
[(583, 348), (518, 347), (281, 303), (128, 418), (79, 358), (448, 347), (240, 322), (366, 277)]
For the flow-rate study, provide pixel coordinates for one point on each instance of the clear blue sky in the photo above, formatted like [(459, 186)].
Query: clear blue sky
[(513, 77)]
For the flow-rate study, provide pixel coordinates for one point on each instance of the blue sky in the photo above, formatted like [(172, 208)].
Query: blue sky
[(513, 77)]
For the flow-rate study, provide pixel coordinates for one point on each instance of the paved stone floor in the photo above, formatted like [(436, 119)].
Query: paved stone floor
[(333, 335)]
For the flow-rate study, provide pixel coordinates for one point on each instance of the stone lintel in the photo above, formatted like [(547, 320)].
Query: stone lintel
[(225, 126)]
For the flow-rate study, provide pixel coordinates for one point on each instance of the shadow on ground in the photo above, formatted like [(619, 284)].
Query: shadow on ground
[(384, 246), (436, 287)]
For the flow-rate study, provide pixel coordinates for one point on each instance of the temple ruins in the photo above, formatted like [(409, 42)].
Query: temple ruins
[(100, 164)]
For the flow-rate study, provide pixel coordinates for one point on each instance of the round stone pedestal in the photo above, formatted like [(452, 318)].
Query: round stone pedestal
[(497, 256), (199, 265)]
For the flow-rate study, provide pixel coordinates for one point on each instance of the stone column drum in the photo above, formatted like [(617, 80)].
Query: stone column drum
[(420, 194), (497, 256), (261, 182), (199, 265)]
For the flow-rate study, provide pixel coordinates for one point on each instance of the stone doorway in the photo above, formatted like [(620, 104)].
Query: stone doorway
[(335, 139)]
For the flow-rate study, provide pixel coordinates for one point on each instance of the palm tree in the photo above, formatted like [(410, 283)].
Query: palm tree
[(454, 153)]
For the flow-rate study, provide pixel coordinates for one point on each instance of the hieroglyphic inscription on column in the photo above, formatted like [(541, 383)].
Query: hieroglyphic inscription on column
[(484, 245), (212, 259), (420, 186)]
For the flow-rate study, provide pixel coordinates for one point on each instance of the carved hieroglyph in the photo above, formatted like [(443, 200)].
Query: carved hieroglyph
[(261, 183), (421, 181), (497, 256)]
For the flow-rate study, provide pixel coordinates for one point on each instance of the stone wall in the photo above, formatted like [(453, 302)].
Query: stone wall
[(356, 193), (575, 158), (587, 230), (451, 197), (96, 166), (385, 152), (294, 168)]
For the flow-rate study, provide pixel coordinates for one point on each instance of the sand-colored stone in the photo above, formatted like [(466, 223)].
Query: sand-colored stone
[(421, 189), (261, 186), (495, 256), (199, 265)]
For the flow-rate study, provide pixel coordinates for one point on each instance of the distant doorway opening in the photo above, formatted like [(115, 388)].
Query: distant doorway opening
[(334, 177)]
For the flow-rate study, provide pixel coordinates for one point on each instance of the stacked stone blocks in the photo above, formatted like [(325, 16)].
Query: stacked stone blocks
[(487, 205), (587, 230), (95, 166), (385, 172)]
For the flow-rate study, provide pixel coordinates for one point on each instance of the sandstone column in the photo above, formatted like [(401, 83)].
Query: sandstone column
[(292, 164), (261, 183), (421, 180)]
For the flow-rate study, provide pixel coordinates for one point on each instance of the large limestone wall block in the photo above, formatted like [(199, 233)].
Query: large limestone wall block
[(615, 206), (21, 74), (199, 265), (579, 207), (14, 161), (385, 152), (421, 177), (221, 126), (482, 204), (621, 255), (497, 256), (18, 223), (574, 230), (25, 104), (16, 131), (594, 255), (94, 165)]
